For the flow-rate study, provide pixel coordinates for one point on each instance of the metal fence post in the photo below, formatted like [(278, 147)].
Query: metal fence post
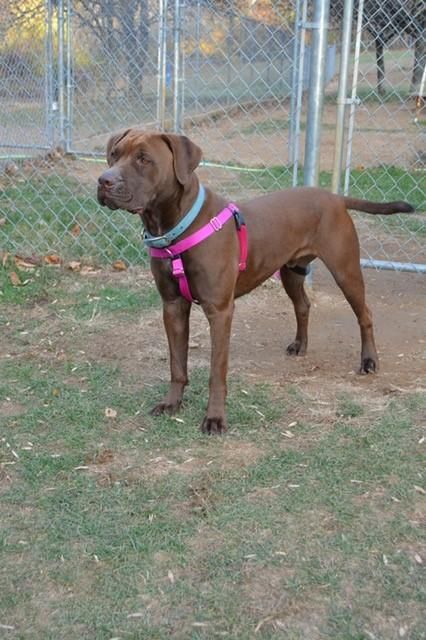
[(161, 64), (353, 96), (316, 90), (177, 70), (69, 79), (297, 85), (342, 99), (60, 74), (49, 82)]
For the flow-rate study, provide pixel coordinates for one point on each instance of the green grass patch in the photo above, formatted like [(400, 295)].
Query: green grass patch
[(125, 525), (80, 297), (42, 215), (139, 544)]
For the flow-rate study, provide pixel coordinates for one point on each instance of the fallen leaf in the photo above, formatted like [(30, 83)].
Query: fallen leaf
[(2, 221), (5, 258), (119, 265), (88, 270), (419, 489), (52, 259), (110, 413), (74, 265), (15, 279), (37, 261), (76, 230), (24, 264), (11, 169)]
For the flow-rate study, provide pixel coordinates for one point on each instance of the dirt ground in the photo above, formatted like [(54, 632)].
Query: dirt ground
[(264, 324)]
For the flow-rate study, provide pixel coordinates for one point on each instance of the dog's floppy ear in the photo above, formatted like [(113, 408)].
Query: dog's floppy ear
[(114, 139), (186, 155)]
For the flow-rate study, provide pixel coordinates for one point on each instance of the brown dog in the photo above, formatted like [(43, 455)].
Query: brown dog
[(152, 174)]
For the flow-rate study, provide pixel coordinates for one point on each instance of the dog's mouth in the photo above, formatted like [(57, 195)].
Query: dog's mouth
[(114, 200), (136, 211)]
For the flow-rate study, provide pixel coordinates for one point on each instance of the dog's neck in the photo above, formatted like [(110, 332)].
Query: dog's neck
[(162, 214)]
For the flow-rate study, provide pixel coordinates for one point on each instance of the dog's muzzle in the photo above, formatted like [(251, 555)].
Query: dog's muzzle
[(112, 190)]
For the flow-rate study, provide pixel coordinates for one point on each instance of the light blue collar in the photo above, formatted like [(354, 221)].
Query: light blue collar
[(159, 242)]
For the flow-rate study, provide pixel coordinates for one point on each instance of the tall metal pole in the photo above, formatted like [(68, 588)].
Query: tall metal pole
[(294, 78), (342, 99), (354, 100), (69, 79), (61, 102), (299, 91), (49, 98), (316, 91), (177, 70), (197, 85), (161, 64)]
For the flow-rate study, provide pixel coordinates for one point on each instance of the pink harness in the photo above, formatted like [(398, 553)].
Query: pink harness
[(173, 252)]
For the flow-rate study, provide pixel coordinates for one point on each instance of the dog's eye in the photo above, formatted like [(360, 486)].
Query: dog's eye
[(143, 159)]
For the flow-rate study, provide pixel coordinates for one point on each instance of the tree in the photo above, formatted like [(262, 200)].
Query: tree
[(122, 28), (386, 19)]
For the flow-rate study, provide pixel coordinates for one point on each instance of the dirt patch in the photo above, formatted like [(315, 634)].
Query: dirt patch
[(264, 324), (10, 409), (275, 609)]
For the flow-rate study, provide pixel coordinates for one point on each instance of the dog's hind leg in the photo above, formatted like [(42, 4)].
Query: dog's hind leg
[(293, 283), (346, 270)]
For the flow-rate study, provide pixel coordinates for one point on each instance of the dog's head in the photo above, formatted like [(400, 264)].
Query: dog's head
[(145, 168)]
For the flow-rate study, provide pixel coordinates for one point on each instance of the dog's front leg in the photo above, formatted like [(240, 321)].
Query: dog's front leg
[(220, 332), (176, 323)]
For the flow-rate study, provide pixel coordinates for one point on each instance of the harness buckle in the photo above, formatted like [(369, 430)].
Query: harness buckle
[(177, 267), (216, 224)]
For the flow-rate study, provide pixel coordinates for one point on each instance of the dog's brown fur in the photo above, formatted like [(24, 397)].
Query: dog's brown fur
[(152, 174)]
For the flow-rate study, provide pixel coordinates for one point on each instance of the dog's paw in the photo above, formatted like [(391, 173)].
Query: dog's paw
[(368, 365), (296, 349), (167, 408), (214, 426)]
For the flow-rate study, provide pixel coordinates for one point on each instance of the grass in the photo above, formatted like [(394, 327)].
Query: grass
[(47, 285), (133, 527), (56, 214)]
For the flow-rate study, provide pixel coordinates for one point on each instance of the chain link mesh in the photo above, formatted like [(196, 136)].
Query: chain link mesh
[(224, 73)]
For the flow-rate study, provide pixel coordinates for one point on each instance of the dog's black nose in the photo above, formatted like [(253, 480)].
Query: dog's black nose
[(108, 179)]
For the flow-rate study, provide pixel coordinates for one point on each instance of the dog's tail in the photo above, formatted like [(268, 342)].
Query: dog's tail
[(383, 208)]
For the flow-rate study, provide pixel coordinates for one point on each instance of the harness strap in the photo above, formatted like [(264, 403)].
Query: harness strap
[(174, 251), (178, 272)]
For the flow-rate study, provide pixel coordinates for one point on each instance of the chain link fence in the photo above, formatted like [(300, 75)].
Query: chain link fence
[(231, 75)]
